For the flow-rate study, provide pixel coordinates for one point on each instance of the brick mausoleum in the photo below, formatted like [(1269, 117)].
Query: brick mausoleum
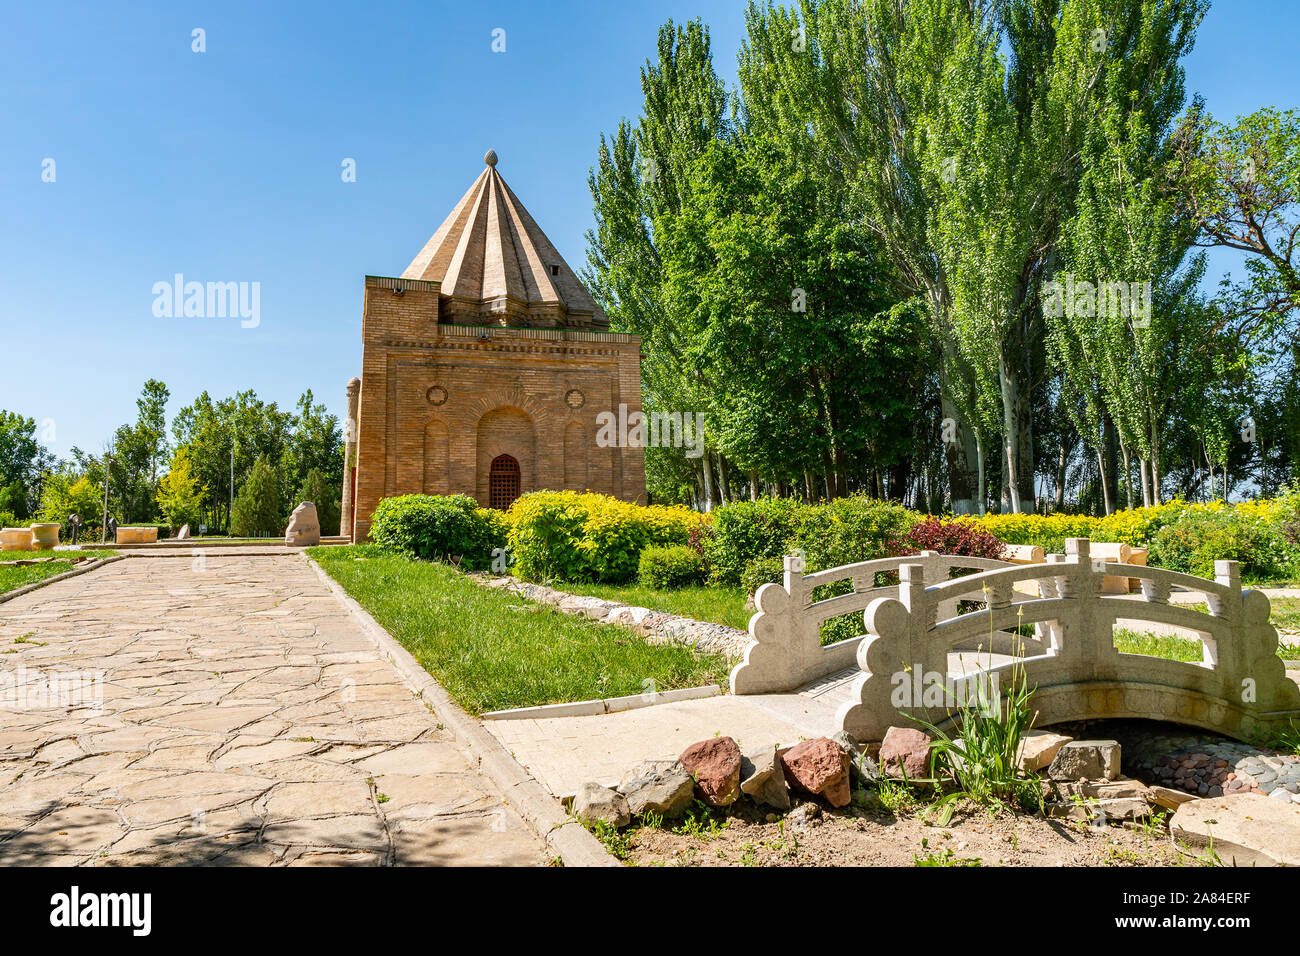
[(484, 366)]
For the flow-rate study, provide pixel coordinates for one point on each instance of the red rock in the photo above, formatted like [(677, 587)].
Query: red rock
[(715, 765), (819, 767), (905, 750)]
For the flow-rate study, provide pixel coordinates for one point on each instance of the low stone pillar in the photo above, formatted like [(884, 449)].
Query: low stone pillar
[(349, 455)]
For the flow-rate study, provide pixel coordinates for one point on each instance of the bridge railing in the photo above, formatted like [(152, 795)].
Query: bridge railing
[(1239, 686), (785, 650)]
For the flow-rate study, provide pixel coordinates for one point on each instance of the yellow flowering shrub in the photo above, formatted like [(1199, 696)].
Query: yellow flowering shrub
[(571, 536)]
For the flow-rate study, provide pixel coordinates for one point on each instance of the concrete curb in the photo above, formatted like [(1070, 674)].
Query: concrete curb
[(36, 585), (213, 552), (566, 837), (604, 705), (172, 543)]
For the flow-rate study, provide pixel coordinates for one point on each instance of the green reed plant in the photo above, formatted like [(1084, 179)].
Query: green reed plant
[(982, 760)]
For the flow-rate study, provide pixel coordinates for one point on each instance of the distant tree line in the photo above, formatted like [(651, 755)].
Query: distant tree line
[(181, 473)]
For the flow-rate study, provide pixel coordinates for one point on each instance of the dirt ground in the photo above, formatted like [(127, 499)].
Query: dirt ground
[(858, 837)]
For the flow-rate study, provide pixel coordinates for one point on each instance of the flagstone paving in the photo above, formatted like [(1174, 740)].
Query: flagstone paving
[(245, 719)]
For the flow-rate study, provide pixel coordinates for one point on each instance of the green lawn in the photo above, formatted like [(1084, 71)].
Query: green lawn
[(493, 650), (717, 605), (50, 553), (12, 576), (1286, 613), (1177, 648), (1159, 645)]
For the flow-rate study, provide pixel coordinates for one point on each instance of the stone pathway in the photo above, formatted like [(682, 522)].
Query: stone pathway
[(245, 719), (1209, 765)]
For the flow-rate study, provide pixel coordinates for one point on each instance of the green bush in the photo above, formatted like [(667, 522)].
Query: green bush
[(747, 531), (567, 536), (7, 520), (762, 571), (1193, 543), (669, 568), (436, 528), (750, 537), (853, 529)]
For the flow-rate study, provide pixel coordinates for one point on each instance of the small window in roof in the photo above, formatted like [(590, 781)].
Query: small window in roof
[(555, 270)]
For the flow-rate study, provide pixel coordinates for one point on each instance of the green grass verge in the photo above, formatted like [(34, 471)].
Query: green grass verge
[(13, 576), (715, 605), (493, 651), (69, 555)]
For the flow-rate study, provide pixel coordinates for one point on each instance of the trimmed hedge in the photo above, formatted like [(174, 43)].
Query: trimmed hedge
[(567, 536), (588, 537), (670, 568), (750, 531), (750, 537), (438, 527)]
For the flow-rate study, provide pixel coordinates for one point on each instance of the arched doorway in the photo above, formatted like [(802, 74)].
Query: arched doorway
[(505, 439), (503, 482)]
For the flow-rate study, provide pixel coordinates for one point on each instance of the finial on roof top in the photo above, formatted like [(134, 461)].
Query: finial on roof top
[(490, 157)]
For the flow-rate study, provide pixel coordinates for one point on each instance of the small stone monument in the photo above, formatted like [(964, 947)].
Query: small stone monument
[(183, 533), (304, 526)]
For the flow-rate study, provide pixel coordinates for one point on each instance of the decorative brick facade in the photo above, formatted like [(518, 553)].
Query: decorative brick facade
[(524, 371)]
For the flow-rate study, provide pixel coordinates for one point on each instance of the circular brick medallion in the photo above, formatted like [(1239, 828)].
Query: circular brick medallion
[(574, 398), (436, 395)]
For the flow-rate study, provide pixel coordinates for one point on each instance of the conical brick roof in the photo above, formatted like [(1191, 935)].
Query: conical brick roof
[(497, 267)]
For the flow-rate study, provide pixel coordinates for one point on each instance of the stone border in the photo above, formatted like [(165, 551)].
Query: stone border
[(658, 627), (563, 835), (203, 542), (72, 573), (604, 705)]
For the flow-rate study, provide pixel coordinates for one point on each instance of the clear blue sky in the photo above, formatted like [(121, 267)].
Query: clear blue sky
[(225, 166)]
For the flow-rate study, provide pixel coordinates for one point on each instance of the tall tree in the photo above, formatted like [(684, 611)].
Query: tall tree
[(968, 158)]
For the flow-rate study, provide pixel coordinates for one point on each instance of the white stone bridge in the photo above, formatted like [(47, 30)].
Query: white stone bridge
[(1050, 619)]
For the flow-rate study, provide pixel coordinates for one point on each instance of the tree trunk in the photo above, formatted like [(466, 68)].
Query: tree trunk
[(724, 489), (1105, 485), (1128, 474), (1025, 449), (959, 453), (708, 482), (753, 486), (1155, 462), (979, 458), (1146, 485), (1010, 434), (1062, 461)]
